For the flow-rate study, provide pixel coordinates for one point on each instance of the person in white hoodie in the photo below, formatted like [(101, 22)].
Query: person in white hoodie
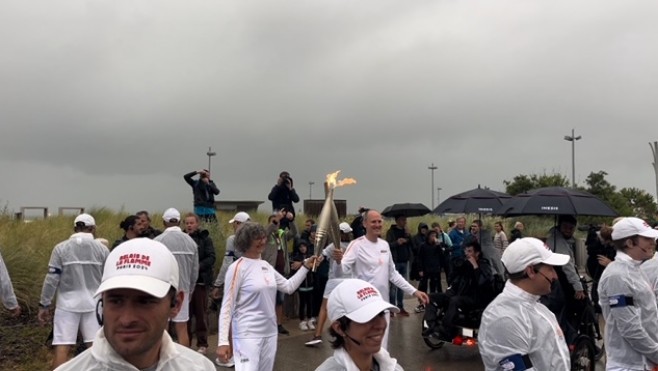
[(187, 255), (7, 295), (74, 273), (627, 299), (357, 313)]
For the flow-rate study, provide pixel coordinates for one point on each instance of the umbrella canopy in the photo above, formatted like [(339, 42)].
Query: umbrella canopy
[(478, 200), (406, 209), (555, 201)]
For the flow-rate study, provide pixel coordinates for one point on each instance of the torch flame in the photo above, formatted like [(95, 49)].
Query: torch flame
[(333, 182)]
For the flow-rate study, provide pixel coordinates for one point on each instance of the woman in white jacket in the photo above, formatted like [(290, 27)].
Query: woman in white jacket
[(357, 314), (248, 305)]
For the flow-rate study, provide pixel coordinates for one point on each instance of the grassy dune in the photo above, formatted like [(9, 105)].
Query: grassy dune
[(26, 249)]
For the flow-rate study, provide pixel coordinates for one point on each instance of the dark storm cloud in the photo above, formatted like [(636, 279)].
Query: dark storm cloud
[(120, 94)]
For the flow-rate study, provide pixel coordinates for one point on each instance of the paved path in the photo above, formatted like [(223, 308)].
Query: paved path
[(406, 345)]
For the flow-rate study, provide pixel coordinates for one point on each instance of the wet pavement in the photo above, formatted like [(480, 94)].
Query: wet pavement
[(405, 344)]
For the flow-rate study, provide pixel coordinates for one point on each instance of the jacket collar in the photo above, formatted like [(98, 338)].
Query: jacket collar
[(386, 363), (520, 293), (622, 256), (103, 352)]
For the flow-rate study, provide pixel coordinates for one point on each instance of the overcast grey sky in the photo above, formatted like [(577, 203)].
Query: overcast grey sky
[(109, 103)]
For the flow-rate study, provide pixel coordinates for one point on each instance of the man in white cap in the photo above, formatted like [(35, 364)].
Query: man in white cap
[(187, 255), (74, 273), (231, 254), (517, 332), (139, 295), (334, 280), (627, 299), (369, 258), (357, 313)]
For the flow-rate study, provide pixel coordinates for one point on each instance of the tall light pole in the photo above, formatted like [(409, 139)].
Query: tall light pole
[(210, 153), (654, 150), (438, 196), (310, 190), (432, 168), (573, 138)]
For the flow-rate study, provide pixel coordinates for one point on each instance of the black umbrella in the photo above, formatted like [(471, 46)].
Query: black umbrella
[(555, 201), (406, 209), (478, 200)]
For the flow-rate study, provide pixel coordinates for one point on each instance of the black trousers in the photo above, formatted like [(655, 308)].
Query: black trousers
[(434, 280)]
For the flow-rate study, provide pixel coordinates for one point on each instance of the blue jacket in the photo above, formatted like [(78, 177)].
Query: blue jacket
[(457, 239)]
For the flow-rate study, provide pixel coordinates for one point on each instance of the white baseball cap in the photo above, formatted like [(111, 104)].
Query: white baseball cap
[(85, 219), (344, 227), (171, 215), (140, 264), (357, 300), (629, 227), (240, 217), (528, 251)]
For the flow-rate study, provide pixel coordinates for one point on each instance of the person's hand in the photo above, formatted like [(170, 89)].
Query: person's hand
[(580, 295), (216, 293), (295, 265), (43, 316), (289, 215), (15, 312), (402, 241), (420, 274), (224, 353), (422, 297), (603, 260), (473, 261), (337, 255), (313, 260)]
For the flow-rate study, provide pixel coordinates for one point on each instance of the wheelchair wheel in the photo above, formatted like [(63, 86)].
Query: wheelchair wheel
[(582, 356), (430, 337), (599, 346)]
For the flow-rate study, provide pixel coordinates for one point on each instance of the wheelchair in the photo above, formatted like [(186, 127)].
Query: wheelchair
[(466, 324), (587, 346)]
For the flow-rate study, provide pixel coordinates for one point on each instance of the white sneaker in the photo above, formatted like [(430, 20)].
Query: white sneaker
[(303, 325), (311, 325), (230, 363)]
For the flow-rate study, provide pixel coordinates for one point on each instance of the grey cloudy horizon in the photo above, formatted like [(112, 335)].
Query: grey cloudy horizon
[(109, 103)]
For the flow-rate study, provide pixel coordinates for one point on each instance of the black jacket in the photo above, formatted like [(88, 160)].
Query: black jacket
[(204, 194), (282, 197), (206, 256), (400, 253), (475, 283), (429, 258)]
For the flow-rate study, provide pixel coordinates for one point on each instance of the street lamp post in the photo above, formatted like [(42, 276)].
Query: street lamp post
[(210, 153), (432, 168), (310, 190), (573, 138), (438, 195)]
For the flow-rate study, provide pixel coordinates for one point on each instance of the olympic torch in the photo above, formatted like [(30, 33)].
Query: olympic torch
[(328, 220)]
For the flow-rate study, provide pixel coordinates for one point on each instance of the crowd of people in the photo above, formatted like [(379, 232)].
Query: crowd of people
[(133, 304)]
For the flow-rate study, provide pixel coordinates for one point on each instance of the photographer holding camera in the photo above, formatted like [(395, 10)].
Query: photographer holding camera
[(204, 191), (283, 195)]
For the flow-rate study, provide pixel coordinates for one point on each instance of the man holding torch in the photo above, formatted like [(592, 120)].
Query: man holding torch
[(369, 258)]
